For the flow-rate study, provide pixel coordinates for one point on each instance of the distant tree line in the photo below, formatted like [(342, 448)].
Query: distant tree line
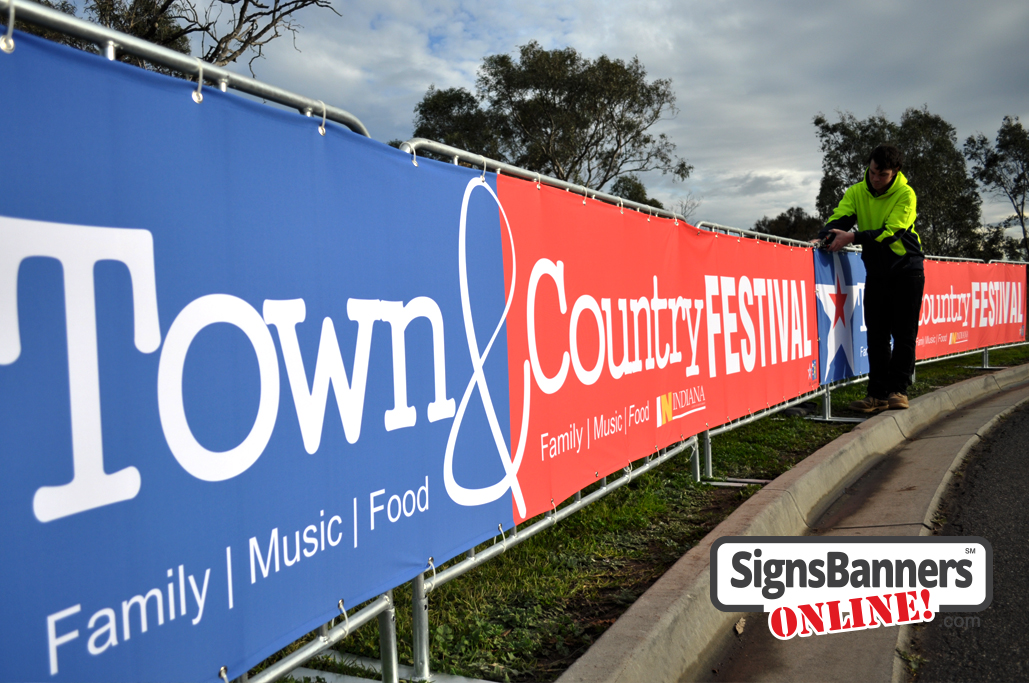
[(948, 189)]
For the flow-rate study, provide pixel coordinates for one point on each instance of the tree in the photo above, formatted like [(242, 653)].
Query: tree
[(558, 113), (228, 29), (630, 187), (1003, 169), (793, 223), (948, 201), (454, 117), (996, 245), (61, 6), (687, 205)]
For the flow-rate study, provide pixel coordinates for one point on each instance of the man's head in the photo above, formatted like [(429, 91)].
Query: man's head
[(883, 164)]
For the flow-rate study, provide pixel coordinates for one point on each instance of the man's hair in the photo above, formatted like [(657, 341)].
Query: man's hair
[(887, 157)]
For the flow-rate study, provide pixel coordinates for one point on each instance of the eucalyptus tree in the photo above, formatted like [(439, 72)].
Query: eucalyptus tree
[(1003, 168), (558, 113)]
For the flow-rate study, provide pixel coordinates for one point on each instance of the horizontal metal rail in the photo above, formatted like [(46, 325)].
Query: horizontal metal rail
[(953, 258), (552, 518), (112, 42), (716, 227), (324, 641), (477, 160), (766, 412), (979, 350)]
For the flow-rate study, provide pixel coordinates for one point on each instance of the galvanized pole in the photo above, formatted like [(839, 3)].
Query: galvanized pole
[(695, 463), (420, 628), (388, 643), (708, 469)]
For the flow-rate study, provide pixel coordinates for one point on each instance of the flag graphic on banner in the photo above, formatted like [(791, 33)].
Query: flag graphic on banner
[(839, 289)]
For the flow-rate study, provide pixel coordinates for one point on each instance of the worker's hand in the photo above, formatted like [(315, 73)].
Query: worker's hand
[(842, 240)]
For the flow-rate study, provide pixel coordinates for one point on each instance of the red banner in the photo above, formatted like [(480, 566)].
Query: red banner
[(968, 306), (630, 333)]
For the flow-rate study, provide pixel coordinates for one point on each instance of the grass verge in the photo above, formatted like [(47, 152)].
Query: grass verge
[(527, 614)]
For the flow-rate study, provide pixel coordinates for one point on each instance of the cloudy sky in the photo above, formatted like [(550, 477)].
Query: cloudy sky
[(749, 75)]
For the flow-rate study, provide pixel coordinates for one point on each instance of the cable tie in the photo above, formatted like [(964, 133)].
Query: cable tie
[(198, 95), (7, 41), (321, 128), (346, 619), (433, 567)]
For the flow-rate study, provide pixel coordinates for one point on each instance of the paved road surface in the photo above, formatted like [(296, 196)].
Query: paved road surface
[(991, 500)]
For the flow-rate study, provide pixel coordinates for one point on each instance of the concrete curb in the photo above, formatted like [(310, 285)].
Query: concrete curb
[(673, 630)]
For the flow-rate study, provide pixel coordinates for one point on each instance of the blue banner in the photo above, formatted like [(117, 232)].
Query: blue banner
[(233, 355), (840, 290)]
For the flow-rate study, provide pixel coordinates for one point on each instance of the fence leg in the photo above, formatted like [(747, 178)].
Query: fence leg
[(420, 628), (986, 357), (388, 643), (827, 410), (695, 462), (708, 471)]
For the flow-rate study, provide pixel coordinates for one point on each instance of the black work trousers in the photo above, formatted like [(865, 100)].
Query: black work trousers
[(892, 306)]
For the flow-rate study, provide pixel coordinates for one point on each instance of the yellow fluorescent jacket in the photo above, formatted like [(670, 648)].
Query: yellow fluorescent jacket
[(885, 225)]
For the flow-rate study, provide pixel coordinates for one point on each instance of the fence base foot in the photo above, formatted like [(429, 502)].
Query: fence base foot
[(374, 666), (837, 419)]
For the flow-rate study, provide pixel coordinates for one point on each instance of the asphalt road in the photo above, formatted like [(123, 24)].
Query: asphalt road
[(990, 499)]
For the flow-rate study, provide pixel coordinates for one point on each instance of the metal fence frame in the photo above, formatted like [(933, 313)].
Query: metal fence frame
[(112, 42), (382, 608)]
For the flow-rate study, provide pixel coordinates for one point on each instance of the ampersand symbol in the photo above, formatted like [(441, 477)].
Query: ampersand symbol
[(481, 496)]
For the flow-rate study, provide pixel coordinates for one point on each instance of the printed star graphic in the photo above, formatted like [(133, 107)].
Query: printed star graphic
[(838, 301)]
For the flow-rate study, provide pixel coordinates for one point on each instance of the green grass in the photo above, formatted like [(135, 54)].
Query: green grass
[(527, 614)]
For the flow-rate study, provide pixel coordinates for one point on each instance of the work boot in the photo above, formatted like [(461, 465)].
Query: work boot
[(870, 404), (898, 401)]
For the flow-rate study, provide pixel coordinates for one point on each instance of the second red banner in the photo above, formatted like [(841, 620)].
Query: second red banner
[(631, 332)]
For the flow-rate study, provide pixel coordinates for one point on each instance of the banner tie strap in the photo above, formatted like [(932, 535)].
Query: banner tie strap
[(433, 567), (346, 619), (500, 528), (7, 42), (198, 96), (321, 128)]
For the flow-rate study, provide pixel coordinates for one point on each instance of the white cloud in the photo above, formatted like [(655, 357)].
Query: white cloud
[(749, 75)]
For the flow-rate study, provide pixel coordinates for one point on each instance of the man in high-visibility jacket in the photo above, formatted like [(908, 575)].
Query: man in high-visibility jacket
[(882, 208)]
